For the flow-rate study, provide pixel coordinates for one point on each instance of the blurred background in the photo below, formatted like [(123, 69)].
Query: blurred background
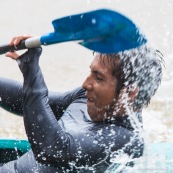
[(66, 65)]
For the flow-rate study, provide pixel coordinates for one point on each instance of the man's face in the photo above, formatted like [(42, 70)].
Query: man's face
[(100, 88)]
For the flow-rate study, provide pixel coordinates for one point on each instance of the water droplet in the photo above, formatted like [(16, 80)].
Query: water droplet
[(93, 21), (95, 142), (44, 158), (79, 152)]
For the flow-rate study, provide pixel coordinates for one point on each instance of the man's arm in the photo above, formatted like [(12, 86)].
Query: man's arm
[(60, 101), (11, 98)]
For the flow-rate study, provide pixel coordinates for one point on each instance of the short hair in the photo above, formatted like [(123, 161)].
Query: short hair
[(140, 67)]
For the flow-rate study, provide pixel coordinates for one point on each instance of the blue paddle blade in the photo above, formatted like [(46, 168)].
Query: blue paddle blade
[(104, 31)]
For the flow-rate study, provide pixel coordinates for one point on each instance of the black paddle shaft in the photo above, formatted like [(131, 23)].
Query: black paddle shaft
[(7, 48)]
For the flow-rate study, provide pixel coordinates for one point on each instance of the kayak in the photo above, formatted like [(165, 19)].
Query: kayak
[(11, 149), (157, 156)]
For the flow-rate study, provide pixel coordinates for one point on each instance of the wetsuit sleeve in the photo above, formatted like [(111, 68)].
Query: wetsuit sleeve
[(38, 116), (11, 98), (60, 101)]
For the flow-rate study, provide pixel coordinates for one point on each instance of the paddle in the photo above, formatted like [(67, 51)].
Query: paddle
[(103, 30)]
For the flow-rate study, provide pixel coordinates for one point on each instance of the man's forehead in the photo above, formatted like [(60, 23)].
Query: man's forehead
[(99, 66)]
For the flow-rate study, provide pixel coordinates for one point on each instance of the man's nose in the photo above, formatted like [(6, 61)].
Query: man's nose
[(87, 84)]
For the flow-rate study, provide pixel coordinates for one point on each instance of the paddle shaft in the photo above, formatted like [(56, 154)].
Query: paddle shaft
[(29, 43)]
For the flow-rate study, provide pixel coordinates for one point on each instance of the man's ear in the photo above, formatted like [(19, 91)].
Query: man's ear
[(133, 91)]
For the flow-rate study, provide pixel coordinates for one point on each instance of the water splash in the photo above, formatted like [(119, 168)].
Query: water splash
[(143, 70)]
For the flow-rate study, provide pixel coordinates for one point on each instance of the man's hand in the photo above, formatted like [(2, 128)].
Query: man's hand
[(14, 42)]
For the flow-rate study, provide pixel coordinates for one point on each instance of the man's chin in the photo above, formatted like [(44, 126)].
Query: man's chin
[(91, 112), (95, 114)]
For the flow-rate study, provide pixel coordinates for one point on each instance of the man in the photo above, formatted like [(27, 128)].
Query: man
[(84, 129)]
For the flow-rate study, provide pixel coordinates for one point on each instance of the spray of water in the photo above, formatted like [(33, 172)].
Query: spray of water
[(142, 70)]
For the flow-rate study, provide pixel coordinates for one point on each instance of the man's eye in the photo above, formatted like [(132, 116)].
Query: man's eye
[(98, 78)]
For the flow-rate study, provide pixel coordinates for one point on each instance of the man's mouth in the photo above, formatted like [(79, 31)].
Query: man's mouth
[(89, 99)]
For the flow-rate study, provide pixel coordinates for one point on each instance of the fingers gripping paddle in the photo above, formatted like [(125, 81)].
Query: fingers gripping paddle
[(103, 30)]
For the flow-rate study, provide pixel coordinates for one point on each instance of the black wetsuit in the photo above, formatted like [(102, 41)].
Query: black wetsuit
[(62, 136)]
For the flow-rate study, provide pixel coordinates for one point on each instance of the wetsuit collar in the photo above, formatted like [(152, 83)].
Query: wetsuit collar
[(125, 121)]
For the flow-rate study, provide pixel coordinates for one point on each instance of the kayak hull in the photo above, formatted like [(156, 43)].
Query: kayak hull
[(157, 156), (11, 149)]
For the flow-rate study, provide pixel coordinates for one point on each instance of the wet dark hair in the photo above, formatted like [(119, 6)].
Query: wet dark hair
[(140, 67)]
